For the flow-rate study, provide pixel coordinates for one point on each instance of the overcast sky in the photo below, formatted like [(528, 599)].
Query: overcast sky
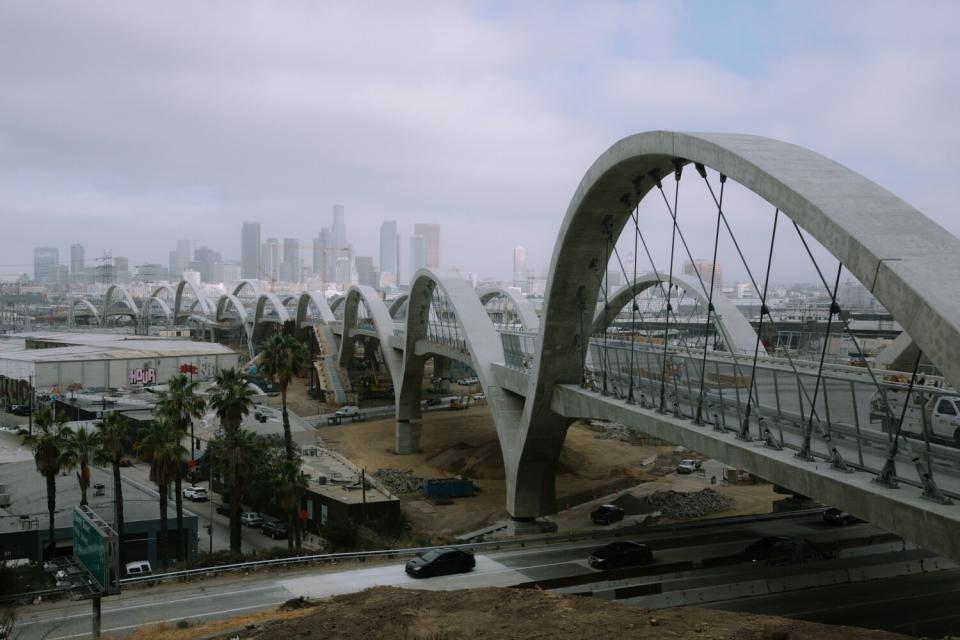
[(128, 125)]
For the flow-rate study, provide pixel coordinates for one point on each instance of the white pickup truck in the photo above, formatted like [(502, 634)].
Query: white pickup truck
[(939, 412)]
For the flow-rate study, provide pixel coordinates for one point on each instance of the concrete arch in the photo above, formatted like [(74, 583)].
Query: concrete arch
[(397, 303), (253, 285), (336, 305), (278, 307), (126, 299), (230, 300), (736, 330), (163, 288), (901, 256), (528, 316), (164, 307), (484, 348), (319, 301), (204, 303), (382, 324), (85, 303)]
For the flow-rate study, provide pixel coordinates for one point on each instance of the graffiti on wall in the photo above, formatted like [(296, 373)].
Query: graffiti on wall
[(142, 376), (14, 391), (208, 369)]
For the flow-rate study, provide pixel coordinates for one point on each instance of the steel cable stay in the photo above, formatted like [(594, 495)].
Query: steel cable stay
[(887, 475), (678, 172), (698, 419), (744, 432), (804, 394)]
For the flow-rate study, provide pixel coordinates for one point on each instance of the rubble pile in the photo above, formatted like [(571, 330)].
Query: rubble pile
[(676, 504), (399, 481)]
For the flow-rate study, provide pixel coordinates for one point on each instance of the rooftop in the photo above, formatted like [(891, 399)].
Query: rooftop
[(67, 347)]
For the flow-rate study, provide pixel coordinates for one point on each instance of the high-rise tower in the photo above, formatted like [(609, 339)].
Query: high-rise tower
[(431, 237)]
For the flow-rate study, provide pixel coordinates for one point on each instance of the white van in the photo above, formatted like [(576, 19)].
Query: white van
[(347, 411), (138, 568)]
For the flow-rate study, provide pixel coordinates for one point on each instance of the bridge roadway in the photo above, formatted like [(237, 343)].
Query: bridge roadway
[(238, 595)]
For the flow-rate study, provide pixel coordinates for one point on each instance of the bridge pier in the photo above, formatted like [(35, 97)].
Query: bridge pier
[(407, 436)]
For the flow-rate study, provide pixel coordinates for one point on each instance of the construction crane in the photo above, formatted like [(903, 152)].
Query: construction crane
[(271, 278)]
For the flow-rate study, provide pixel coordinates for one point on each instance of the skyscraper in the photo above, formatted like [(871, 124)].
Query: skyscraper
[(519, 267), (418, 253), (77, 266), (322, 254), (290, 267), (250, 250), (705, 268), (339, 228), (366, 276), (184, 254), (431, 237), (45, 261), (270, 260), (389, 249)]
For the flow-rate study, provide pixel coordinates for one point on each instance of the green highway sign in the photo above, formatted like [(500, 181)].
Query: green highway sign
[(96, 546)]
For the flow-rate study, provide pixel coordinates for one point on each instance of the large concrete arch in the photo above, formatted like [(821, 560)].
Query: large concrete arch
[(319, 301), (397, 303), (905, 259), (484, 349), (252, 285), (336, 305), (278, 307), (528, 316), (736, 330), (204, 304), (164, 307), (382, 324), (126, 299), (165, 288), (85, 303)]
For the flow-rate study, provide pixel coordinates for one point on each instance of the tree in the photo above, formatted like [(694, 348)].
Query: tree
[(231, 401), (113, 442), (280, 361), (160, 447), (48, 441), (291, 484), (81, 448), (181, 405)]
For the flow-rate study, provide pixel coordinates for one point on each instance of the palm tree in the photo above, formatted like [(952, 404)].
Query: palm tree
[(160, 447), (113, 442), (181, 405), (280, 361), (48, 441), (291, 485), (80, 450), (231, 400)]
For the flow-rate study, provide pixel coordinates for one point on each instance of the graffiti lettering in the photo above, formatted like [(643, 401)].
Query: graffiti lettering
[(142, 376), (14, 391)]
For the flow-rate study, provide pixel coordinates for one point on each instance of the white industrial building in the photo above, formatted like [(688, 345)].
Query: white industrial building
[(57, 361)]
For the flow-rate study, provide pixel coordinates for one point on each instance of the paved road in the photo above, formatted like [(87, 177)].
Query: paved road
[(236, 595)]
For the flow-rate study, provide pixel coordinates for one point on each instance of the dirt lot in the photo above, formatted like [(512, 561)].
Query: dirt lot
[(464, 442), (480, 614)]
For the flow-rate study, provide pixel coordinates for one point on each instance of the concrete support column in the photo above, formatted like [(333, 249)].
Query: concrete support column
[(408, 436)]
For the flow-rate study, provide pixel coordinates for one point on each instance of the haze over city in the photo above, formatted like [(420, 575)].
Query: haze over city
[(126, 127)]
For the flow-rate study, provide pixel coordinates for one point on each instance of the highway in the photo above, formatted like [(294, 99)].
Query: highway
[(235, 594)]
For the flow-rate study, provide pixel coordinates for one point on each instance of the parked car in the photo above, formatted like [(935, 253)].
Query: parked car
[(251, 519), (842, 518), (688, 466), (223, 509), (466, 382), (348, 411), (275, 529), (20, 409), (432, 402), (607, 514), (126, 462), (623, 553), (99, 489), (197, 494), (440, 562)]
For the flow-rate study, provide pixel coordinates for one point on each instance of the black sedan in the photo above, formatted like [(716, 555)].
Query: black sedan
[(606, 514), (842, 518), (275, 529), (781, 550), (623, 553), (440, 562)]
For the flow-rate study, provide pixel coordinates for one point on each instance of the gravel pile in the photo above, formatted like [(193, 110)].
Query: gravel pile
[(674, 504), (399, 481)]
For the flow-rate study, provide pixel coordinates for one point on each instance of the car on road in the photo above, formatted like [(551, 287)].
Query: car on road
[(440, 562), (223, 509), (842, 518), (432, 402), (20, 409), (196, 494), (275, 529), (251, 519), (780, 550), (688, 466), (623, 553), (99, 489), (138, 568), (607, 514), (466, 382), (126, 462)]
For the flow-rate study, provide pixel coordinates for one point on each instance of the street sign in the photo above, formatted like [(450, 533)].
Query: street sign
[(96, 546)]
